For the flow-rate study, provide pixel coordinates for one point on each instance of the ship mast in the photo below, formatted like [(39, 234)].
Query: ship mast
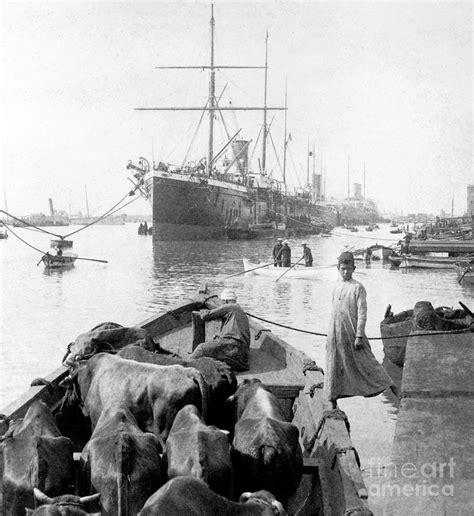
[(212, 99), (212, 105), (286, 141), (265, 130)]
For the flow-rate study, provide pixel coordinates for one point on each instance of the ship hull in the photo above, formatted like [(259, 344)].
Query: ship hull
[(196, 208)]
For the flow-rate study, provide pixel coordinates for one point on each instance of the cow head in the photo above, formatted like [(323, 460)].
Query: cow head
[(83, 348), (65, 504), (264, 498)]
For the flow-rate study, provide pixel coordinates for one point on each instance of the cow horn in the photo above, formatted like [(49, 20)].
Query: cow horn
[(41, 497), (90, 498), (278, 508)]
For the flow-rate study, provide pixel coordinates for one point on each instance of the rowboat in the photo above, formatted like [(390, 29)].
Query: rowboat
[(464, 271), (429, 261), (332, 481), (3, 234), (65, 261), (298, 271), (395, 330)]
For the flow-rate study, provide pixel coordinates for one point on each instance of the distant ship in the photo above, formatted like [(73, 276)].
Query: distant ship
[(55, 218), (219, 196)]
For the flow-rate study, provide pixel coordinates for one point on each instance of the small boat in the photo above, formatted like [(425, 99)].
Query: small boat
[(332, 482), (396, 230), (65, 261), (465, 271), (3, 234), (395, 329), (298, 271), (431, 262)]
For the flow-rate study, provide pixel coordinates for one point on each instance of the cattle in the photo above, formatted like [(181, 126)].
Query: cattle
[(219, 376), (154, 394), (106, 337), (266, 452), (35, 454), (122, 463), (194, 449), (64, 505), (192, 497)]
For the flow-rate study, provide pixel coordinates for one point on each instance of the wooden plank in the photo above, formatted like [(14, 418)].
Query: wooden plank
[(439, 365), (432, 458), (433, 449)]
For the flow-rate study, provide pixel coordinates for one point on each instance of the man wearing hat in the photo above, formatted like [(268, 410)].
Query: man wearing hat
[(351, 368), (307, 255), (284, 254), (276, 252), (232, 344)]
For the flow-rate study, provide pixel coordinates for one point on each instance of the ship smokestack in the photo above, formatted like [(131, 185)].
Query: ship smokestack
[(51, 209), (240, 149)]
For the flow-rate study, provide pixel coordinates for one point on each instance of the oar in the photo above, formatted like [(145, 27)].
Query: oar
[(250, 270), (466, 309), (468, 268), (92, 260), (296, 263)]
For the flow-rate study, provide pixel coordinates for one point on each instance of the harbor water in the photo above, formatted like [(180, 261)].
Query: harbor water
[(42, 312)]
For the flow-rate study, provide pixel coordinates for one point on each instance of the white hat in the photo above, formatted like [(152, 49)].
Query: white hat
[(304, 243), (279, 238), (285, 241), (228, 295)]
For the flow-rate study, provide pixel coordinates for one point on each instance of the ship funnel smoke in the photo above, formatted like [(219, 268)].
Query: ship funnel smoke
[(51, 208)]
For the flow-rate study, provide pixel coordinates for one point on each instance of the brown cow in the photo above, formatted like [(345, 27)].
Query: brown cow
[(266, 451), (109, 339), (122, 463), (194, 449), (191, 497), (154, 394), (218, 376), (35, 454), (64, 505)]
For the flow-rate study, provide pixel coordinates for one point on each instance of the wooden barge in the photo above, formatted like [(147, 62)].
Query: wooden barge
[(332, 482)]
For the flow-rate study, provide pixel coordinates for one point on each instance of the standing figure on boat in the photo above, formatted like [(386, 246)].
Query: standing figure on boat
[(351, 368), (276, 252), (307, 255), (284, 254), (232, 344)]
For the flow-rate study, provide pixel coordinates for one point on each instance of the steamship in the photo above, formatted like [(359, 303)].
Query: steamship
[(220, 196)]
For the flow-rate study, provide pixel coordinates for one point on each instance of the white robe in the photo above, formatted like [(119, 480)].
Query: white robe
[(350, 371)]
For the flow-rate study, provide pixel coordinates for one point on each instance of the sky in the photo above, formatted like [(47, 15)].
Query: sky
[(381, 86)]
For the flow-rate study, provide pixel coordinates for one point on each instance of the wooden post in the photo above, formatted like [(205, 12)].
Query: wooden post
[(199, 329)]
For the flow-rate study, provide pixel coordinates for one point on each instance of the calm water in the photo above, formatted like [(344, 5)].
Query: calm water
[(41, 313)]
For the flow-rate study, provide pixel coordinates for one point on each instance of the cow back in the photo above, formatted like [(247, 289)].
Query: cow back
[(201, 451), (35, 455)]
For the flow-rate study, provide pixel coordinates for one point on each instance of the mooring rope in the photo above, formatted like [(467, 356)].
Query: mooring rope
[(450, 332)]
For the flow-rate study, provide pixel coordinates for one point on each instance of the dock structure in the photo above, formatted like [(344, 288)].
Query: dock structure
[(431, 468)]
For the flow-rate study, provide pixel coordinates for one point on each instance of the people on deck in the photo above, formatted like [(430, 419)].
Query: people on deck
[(59, 252), (284, 254), (307, 255), (232, 344), (276, 252), (351, 368)]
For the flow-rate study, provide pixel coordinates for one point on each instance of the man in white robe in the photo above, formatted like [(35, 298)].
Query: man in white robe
[(351, 368)]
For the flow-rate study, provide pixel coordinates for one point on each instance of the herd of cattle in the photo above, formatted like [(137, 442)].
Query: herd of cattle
[(157, 435)]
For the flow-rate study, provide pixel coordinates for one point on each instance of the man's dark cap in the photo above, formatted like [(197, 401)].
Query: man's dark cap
[(346, 258)]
